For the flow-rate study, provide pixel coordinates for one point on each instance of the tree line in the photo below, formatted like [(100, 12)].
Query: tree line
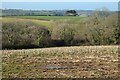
[(20, 12), (96, 30)]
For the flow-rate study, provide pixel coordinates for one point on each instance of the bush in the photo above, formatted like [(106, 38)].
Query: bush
[(64, 32), (96, 30), (104, 31), (24, 34)]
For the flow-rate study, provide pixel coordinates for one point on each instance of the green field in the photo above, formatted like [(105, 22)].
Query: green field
[(47, 21), (61, 62), (51, 17), (41, 22)]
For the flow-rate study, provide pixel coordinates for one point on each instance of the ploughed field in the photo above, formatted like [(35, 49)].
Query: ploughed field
[(61, 62)]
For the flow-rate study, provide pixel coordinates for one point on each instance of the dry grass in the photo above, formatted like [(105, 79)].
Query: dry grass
[(83, 61)]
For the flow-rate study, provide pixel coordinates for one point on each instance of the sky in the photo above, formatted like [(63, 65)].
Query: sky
[(60, 0), (113, 6)]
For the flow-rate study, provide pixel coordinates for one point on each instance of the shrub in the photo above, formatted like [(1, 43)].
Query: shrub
[(96, 30), (24, 34), (104, 31), (64, 32)]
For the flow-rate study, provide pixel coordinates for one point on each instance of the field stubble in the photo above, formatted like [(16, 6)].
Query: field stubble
[(80, 62)]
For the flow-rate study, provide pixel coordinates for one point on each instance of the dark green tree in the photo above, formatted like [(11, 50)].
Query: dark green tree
[(71, 13)]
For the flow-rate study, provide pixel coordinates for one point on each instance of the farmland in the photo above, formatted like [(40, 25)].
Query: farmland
[(77, 62), (46, 20), (51, 17), (27, 31), (41, 22), (60, 46)]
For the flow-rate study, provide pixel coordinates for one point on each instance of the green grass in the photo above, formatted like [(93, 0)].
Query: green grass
[(51, 17), (48, 21), (39, 22), (83, 61)]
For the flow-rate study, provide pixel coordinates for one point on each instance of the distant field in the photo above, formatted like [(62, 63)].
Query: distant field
[(39, 22), (46, 20), (61, 62), (51, 17)]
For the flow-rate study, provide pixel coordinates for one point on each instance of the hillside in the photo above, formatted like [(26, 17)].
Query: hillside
[(61, 62)]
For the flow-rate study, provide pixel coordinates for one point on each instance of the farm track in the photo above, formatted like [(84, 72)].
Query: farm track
[(77, 62), (41, 20)]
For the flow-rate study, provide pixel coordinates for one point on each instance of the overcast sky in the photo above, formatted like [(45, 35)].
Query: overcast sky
[(60, 5)]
